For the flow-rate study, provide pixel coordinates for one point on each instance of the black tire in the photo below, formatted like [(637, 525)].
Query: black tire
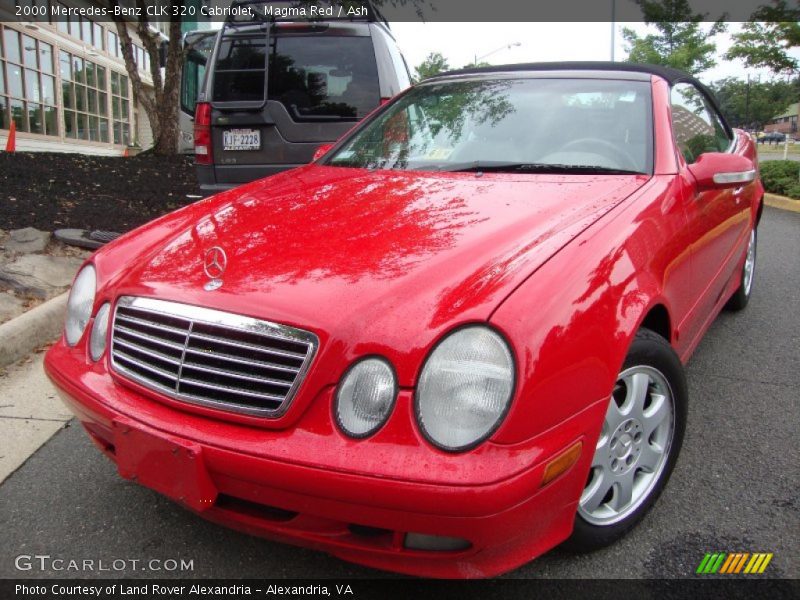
[(652, 356), (741, 297)]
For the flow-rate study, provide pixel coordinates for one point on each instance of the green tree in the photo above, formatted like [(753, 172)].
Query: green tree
[(752, 104), (680, 42), (472, 65), (765, 41), (433, 64)]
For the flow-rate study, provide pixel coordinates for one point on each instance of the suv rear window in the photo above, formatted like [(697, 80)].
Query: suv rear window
[(323, 78), (240, 68)]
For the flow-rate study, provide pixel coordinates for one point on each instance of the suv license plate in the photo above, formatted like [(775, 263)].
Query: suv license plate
[(241, 139)]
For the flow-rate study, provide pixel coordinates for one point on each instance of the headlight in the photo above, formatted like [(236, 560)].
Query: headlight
[(97, 343), (365, 397), (465, 388), (79, 305)]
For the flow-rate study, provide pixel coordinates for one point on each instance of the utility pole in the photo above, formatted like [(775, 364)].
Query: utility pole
[(747, 104), (613, 26), (505, 47)]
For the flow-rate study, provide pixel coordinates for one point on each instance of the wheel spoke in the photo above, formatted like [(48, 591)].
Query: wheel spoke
[(638, 385), (614, 416), (623, 491), (648, 459), (655, 414), (599, 458), (749, 264), (593, 495)]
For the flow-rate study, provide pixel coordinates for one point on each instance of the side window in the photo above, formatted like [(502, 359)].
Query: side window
[(697, 129), (723, 139), (199, 47)]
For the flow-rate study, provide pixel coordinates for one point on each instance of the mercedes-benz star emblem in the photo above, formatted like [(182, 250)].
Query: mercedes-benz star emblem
[(214, 264)]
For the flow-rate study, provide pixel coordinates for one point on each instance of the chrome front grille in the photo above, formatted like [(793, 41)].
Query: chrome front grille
[(209, 357)]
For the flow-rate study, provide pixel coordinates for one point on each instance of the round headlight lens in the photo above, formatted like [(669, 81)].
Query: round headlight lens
[(465, 388), (79, 305), (97, 343), (365, 397)]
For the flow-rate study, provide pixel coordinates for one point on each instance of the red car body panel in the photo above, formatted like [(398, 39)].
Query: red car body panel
[(385, 262)]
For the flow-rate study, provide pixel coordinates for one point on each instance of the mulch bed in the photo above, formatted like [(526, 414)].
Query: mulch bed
[(53, 191)]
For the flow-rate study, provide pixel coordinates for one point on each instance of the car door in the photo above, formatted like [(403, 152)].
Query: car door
[(718, 219)]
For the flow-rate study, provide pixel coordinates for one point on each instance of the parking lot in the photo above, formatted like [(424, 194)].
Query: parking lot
[(735, 487)]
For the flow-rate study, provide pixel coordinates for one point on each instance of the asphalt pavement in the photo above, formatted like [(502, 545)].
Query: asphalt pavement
[(735, 487)]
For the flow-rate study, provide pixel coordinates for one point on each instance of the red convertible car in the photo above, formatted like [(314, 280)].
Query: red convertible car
[(451, 343)]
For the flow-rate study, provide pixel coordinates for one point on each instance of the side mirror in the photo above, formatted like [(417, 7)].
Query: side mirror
[(717, 170), (321, 151)]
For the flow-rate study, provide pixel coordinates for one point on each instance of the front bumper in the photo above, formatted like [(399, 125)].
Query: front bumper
[(210, 466)]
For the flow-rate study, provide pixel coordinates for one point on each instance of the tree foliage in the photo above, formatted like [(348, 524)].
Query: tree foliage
[(480, 63), (765, 41), (781, 177), (433, 64), (752, 104), (681, 42)]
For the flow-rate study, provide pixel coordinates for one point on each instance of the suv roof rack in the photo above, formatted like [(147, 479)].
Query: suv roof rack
[(373, 14)]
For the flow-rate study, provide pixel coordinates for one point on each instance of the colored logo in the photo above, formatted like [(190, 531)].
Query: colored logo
[(734, 563)]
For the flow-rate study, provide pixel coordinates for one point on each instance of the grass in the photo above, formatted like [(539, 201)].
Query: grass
[(778, 149)]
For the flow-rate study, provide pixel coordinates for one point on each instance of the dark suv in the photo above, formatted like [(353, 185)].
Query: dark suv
[(276, 89), (772, 137)]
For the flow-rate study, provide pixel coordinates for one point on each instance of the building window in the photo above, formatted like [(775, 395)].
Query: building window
[(84, 89), (114, 48), (120, 108), (98, 39), (142, 58), (27, 84), (84, 29)]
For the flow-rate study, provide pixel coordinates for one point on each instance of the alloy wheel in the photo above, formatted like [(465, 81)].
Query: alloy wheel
[(633, 447)]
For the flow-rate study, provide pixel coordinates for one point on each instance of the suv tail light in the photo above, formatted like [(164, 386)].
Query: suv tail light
[(202, 133)]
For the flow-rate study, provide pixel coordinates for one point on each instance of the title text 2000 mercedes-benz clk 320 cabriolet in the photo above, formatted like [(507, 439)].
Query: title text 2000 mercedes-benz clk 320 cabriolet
[(451, 343)]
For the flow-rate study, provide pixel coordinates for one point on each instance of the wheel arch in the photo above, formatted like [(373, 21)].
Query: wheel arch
[(759, 210), (658, 320)]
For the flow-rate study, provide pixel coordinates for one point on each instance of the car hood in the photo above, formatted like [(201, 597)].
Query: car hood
[(379, 261)]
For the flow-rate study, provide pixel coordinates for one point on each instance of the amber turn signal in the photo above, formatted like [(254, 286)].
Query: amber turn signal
[(561, 463)]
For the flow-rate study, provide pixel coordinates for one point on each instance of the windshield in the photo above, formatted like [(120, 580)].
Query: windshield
[(537, 125)]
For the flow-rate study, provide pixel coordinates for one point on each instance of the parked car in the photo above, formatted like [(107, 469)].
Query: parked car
[(773, 137), (453, 342), (198, 46), (276, 88)]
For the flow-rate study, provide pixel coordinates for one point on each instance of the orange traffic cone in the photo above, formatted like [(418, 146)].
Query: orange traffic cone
[(11, 142), (125, 153)]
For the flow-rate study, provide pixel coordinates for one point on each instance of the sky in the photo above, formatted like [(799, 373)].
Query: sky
[(460, 43)]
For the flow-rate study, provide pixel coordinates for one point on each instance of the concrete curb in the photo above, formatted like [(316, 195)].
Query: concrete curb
[(39, 326), (782, 202)]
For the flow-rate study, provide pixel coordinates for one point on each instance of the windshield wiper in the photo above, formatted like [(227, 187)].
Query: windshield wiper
[(516, 167)]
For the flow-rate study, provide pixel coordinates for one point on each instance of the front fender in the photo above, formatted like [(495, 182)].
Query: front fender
[(572, 321)]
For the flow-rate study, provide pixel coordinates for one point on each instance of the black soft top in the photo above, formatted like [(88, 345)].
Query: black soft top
[(668, 73)]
